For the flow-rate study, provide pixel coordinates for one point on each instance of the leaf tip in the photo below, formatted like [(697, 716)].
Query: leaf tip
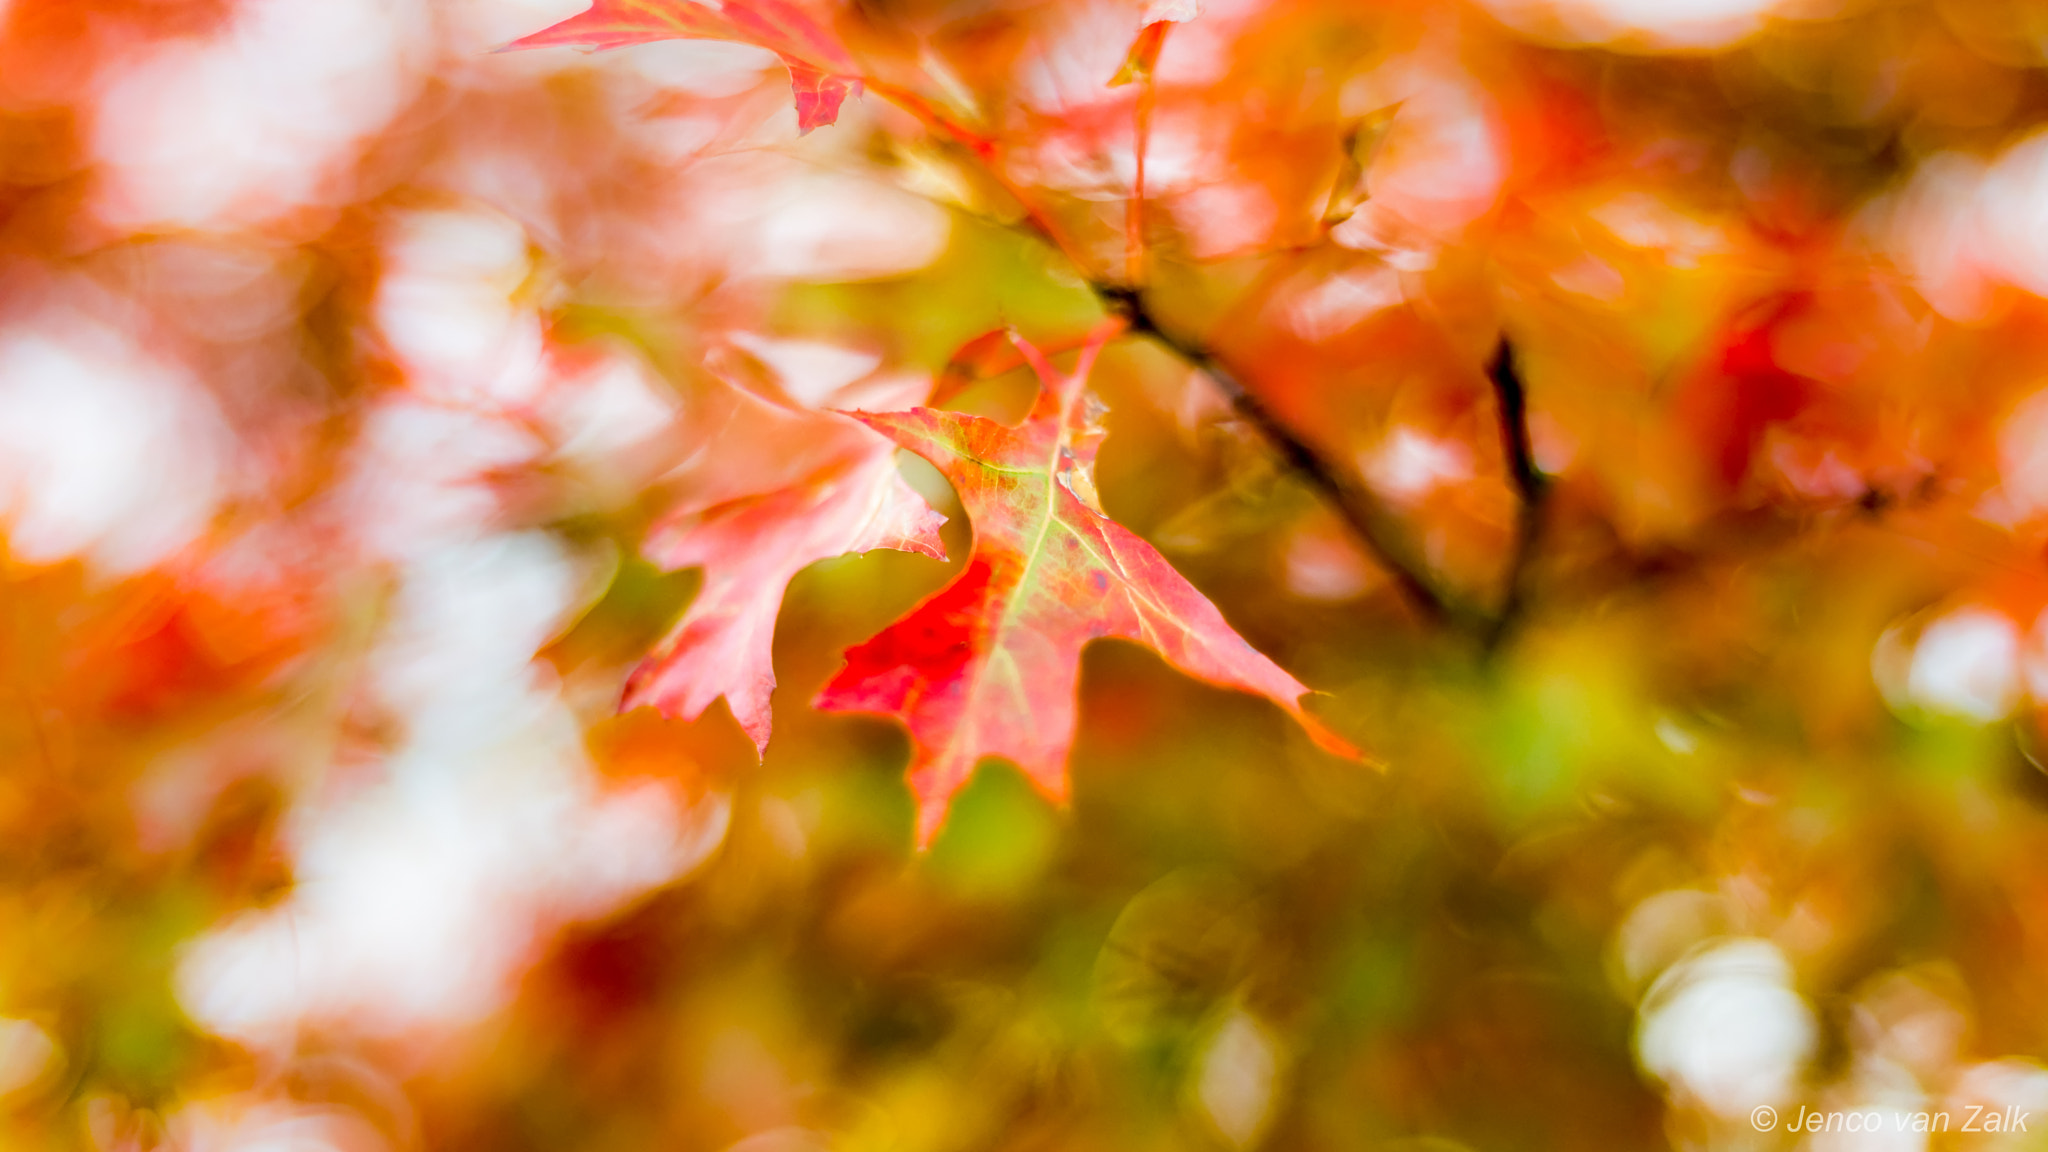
[(931, 817), (819, 94), (1325, 737), (568, 33), (1144, 54)]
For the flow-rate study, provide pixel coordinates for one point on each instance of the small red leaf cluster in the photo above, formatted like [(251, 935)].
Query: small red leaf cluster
[(990, 665)]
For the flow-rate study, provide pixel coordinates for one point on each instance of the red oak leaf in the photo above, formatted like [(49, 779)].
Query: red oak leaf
[(821, 74), (988, 666), (835, 490)]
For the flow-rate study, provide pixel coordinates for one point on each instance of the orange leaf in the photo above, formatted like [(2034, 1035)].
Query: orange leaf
[(821, 73), (989, 665)]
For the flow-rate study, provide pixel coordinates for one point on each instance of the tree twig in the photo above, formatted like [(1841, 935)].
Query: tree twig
[(1511, 402), (1368, 518)]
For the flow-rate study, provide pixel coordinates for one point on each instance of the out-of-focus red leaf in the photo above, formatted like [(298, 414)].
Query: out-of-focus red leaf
[(989, 665), (789, 30), (619, 23), (990, 354), (1745, 390), (818, 94), (845, 496), (987, 356), (821, 74)]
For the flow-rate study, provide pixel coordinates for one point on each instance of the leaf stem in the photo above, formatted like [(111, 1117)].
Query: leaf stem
[(1368, 517), (1134, 208)]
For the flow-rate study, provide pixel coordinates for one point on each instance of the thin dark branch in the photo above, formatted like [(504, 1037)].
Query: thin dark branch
[(1511, 400), (1368, 518)]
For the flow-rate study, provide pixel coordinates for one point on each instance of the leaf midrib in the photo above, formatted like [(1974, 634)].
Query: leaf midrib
[(1037, 549)]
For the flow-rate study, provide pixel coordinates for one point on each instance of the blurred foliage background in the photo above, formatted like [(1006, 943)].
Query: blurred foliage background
[(344, 365)]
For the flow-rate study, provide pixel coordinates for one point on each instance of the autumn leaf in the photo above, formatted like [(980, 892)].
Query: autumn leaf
[(1159, 18), (818, 94), (989, 665), (821, 74), (989, 355), (1144, 54), (1361, 145), (841, 494)]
